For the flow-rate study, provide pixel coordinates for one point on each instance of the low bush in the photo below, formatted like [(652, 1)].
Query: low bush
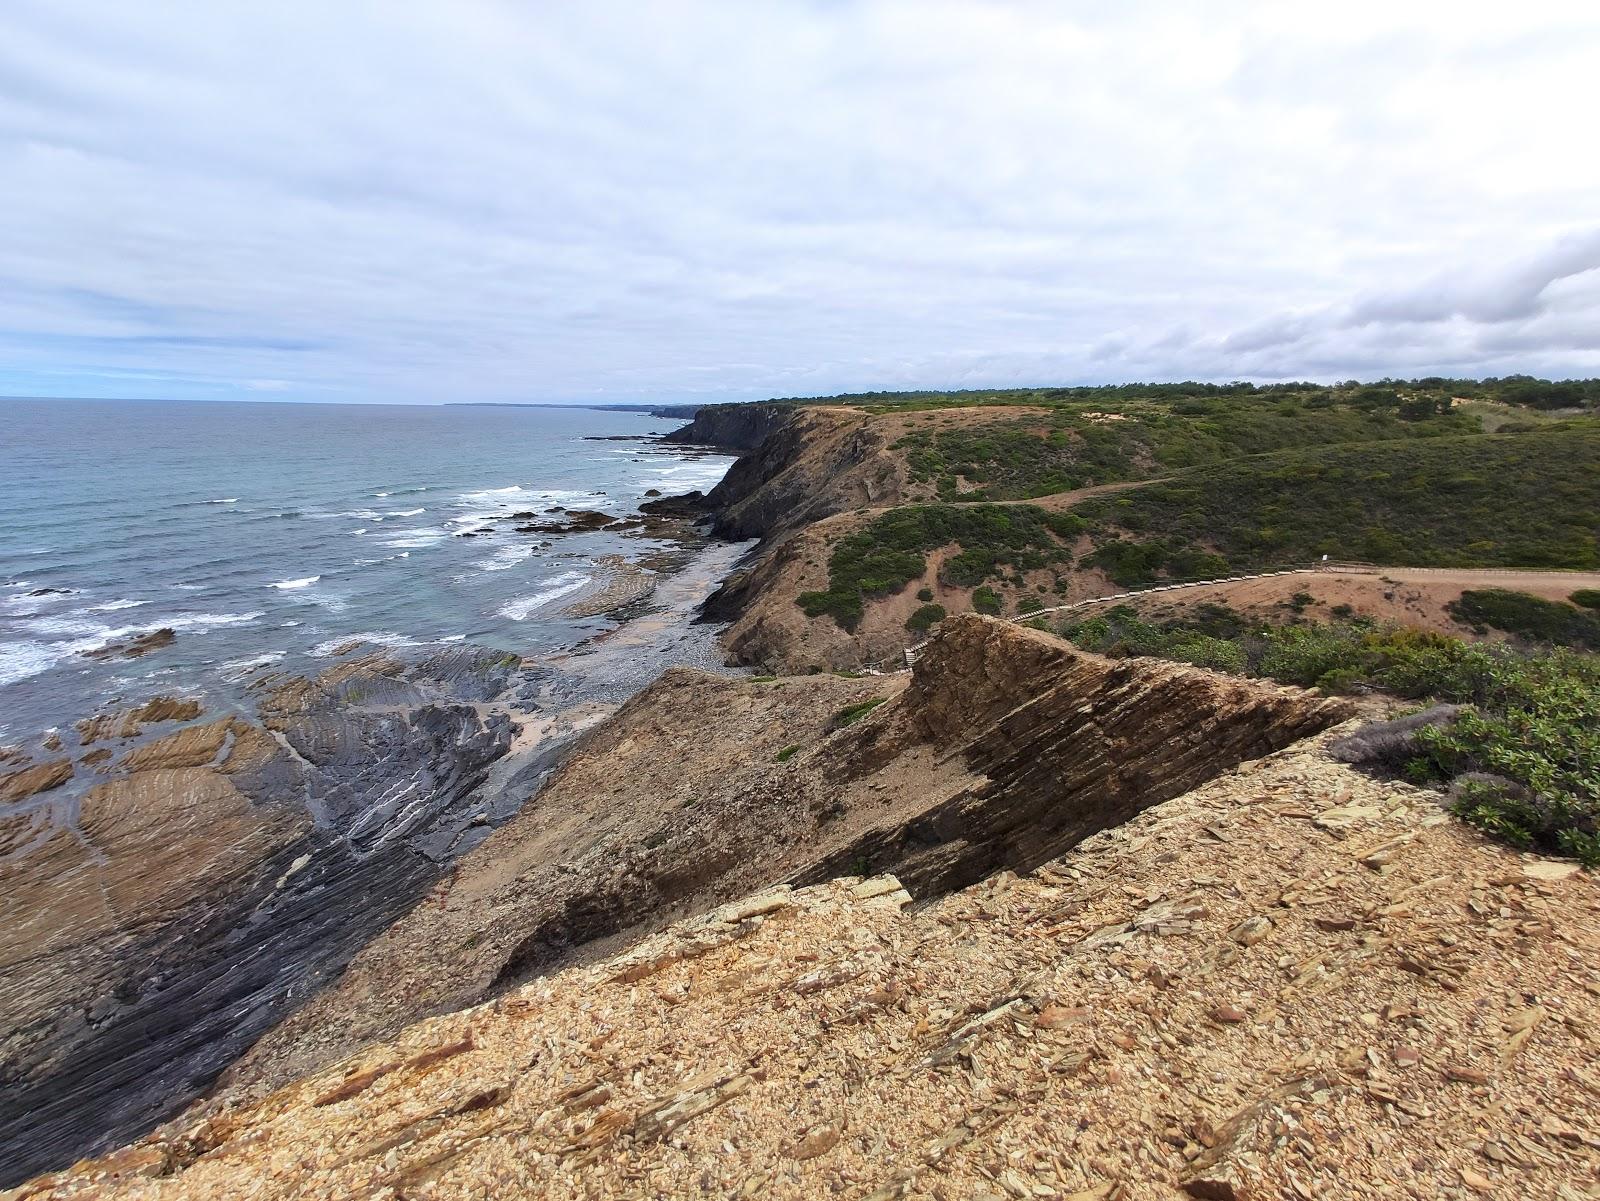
[(1528, 617), (925, 618), (986, 600), (1586, 598), (1523, 500), (1524, 748), (892, 551)]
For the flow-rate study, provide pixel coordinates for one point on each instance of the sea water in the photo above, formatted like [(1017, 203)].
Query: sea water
[(268, 534)]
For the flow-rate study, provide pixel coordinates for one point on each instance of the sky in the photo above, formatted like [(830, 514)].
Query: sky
[(700, 200)]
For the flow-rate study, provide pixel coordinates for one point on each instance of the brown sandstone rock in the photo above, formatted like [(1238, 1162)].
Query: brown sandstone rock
[(41, 777)]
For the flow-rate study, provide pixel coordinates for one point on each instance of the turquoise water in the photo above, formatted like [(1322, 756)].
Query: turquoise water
[(266, 533)]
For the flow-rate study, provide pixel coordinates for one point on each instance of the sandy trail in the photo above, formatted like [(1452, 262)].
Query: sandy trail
[(1415, 596)]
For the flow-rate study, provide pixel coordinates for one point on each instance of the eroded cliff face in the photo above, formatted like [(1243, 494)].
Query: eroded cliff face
[(167, 901), (736, 427), (811, 463), (1005, 748), (1294, 981)]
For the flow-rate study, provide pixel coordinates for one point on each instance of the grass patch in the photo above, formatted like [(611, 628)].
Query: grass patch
[(788, 753), (850, 714), (1528, 617)]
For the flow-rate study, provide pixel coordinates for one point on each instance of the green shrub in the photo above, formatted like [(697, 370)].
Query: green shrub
[(850, 714), (891, 551), (925, 617), (1529, 617), (986, 600), (788, 753), (924, 594), (1525, 753), (1586, 598), (1523, 500)]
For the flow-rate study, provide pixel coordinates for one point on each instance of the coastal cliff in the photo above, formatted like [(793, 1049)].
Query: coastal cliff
[(1149, 903), (1293, 981), (735, 427), (1003, 749)]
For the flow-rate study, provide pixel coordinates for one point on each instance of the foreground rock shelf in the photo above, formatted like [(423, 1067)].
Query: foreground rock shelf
[(1293, 981)]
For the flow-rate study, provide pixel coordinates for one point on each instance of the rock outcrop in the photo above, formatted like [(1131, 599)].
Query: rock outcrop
[(1005, 748), (735, 427), (1292, 982), (155, 922), (796, 466)]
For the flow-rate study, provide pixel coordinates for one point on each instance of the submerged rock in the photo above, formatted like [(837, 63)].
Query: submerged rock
[(143, 644)]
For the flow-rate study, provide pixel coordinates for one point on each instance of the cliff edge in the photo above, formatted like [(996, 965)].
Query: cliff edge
[(1293, 981)]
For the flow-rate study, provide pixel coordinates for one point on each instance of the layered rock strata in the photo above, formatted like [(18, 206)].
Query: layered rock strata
[(1005, 748), (167, 900), (1295, 981)]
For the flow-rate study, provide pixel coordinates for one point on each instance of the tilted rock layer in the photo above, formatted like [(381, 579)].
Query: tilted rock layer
[(164, 902), (1292, 982), (1006, 748)]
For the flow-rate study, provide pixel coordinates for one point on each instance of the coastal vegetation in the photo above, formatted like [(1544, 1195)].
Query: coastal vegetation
[(1522, 391), (850, 714), (1531, 618), (892, 550), (1082, 446), (1521, 758), (1520, 500)]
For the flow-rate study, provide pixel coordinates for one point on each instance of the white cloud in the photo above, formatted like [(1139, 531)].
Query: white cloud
[(478, 200)]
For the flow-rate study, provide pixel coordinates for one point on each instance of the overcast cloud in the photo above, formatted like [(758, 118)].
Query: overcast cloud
[(468, 200)]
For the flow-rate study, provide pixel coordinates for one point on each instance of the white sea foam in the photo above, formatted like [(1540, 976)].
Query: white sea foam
[(24, 605), (19, 660), (70, 636), (405, 512), (553, 589), (113, 606), (503, 560), (226, 500), (412, 539), (382, 637), (518, 497), (453, 638), (362, 530), (239, 668), (305, 582)]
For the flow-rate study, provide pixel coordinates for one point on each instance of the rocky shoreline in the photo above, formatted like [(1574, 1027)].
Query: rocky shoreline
[(178, 876)]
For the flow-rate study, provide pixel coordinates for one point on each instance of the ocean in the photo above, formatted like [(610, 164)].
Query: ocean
[(265, 535)]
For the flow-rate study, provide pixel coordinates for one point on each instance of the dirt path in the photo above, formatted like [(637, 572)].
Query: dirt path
[(1415, 596)]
